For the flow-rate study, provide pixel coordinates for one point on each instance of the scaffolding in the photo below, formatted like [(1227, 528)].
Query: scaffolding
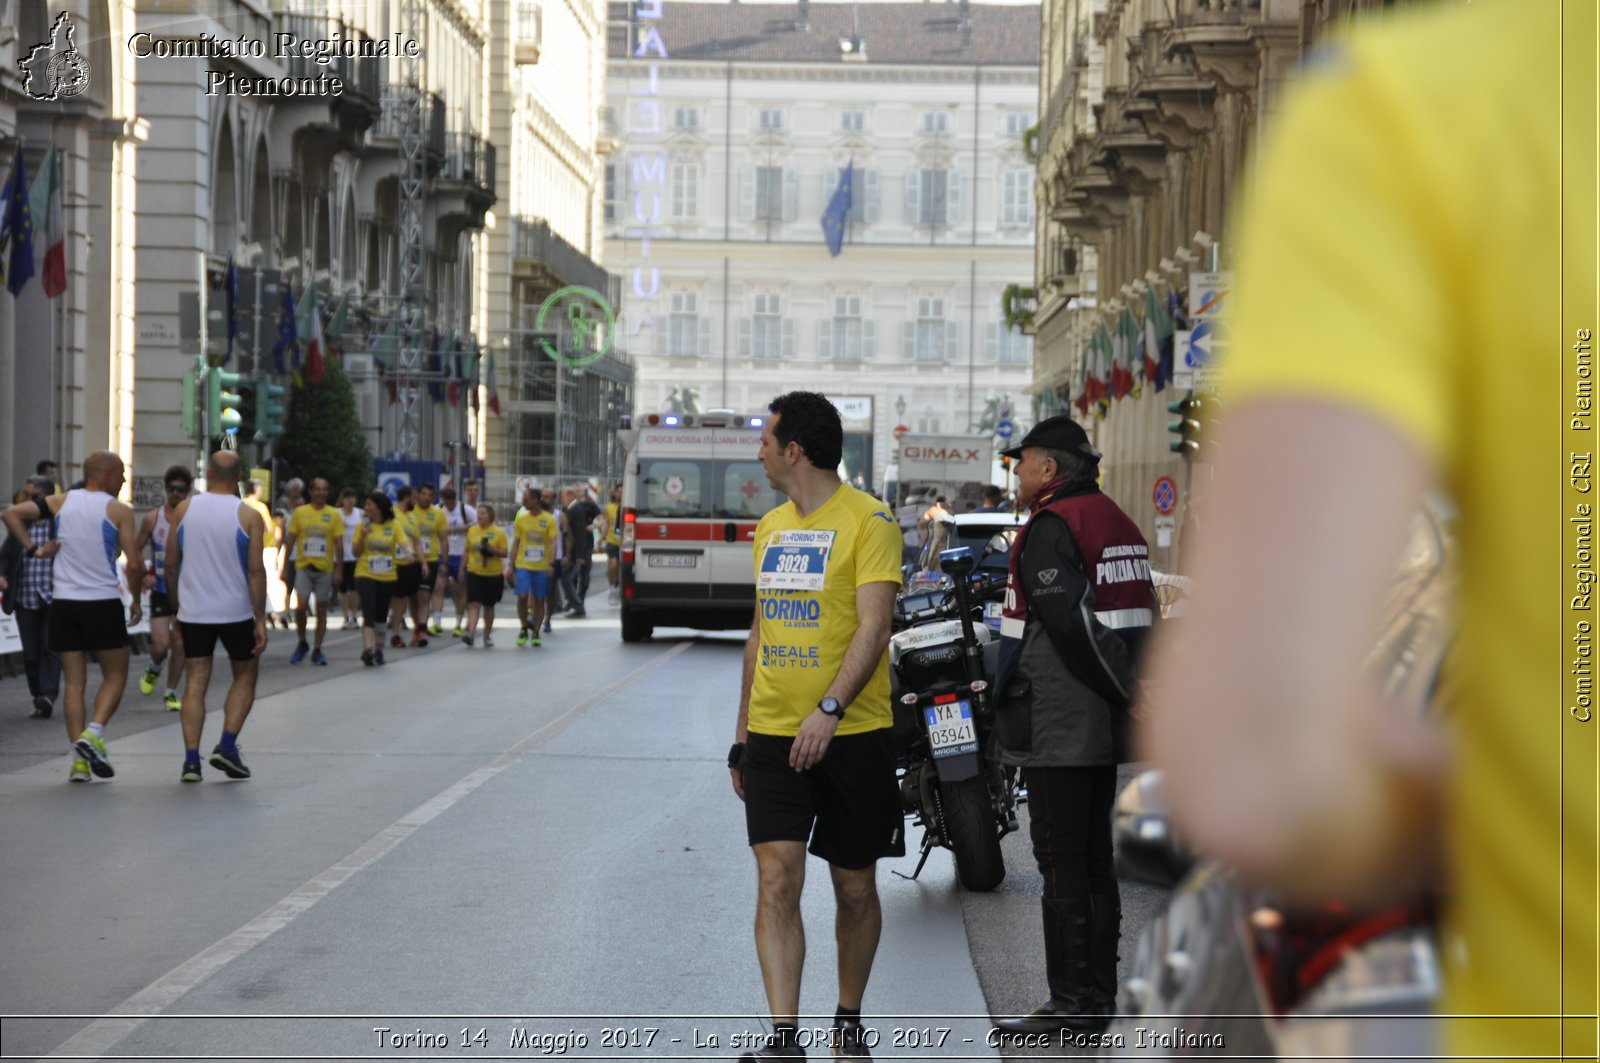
[(410, 316), (561, 422)]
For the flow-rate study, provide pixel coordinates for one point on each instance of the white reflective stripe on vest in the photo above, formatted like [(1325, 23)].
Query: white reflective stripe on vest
[(1118, 618), (1011, 627)]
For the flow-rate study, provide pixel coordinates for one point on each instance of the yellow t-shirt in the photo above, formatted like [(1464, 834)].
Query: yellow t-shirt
[(807, 572), (269, 537), (408, 552), (477, 563), (319, 536), (379, 552), (613, 528), (427, 523), (536, 535), (1402, 255)]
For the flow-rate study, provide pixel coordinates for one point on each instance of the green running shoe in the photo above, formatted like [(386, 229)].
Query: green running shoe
[(93, 750), (191, 771), (536, 640), (80, 771), (436, 628), (172, 702), (147, 680), (522, 637)]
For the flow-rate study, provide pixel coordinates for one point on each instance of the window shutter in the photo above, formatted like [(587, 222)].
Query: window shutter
[(791, 193), (869, 339), (787, 337), (913, 195), (908, 340), (952, 197), (747, 194), (991, 342), (744, 337), (870, 212), (824, 338), (952, 341), (704, 331)]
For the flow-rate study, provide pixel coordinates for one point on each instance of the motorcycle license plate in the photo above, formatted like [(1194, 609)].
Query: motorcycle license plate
[(991, 613), (950, 731), (674, 560)]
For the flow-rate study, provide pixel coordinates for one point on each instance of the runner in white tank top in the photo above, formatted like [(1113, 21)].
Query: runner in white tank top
[(215, 566), (87, 615)]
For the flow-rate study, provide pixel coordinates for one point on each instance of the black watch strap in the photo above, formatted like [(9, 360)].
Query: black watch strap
[(736, 755)]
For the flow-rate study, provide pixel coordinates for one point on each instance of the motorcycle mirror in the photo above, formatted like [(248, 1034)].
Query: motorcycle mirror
[(957, 562)]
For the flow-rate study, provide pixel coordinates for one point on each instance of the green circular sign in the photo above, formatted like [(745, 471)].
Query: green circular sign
[(591, 325)]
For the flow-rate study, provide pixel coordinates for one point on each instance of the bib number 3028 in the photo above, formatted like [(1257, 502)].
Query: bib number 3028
[(795, 561)]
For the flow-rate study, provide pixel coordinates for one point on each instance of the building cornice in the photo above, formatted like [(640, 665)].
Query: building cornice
[(746, 70)]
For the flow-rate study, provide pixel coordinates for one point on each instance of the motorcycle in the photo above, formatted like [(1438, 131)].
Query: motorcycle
[(950, 783)]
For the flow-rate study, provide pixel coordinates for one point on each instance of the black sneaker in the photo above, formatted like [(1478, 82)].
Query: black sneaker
[(850, 1039), (191, 771), (367, 658), (773, 1050), (42, 708), (377, 655), (230, 762)]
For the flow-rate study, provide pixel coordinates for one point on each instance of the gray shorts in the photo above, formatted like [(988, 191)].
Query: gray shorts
[(314, 581)]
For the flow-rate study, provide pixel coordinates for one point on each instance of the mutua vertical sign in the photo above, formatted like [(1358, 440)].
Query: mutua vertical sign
[(647, 163)]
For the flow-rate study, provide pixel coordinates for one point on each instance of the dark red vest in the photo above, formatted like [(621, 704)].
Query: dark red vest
[(1116, 561)]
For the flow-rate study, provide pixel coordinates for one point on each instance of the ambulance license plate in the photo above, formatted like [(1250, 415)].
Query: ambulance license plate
[(674, 560), (950, 730)]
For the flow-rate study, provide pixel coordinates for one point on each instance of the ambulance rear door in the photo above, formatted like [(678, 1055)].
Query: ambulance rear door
[(741, 496), (672, 521)]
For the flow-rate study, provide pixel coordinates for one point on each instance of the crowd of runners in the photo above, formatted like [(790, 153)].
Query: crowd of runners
[(402, 570)]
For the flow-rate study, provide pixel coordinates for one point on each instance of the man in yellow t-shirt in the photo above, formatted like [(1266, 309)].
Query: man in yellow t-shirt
[(613, 515), (1414, 278), (430, 523), (533, 548), (812, 757), (315, 539)]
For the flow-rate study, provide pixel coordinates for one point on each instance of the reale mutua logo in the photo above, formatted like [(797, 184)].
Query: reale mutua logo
[(55, 69)]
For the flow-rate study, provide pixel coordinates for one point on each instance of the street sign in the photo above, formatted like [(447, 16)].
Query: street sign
[(900, 430), (1165, 526), (1209, 296), (1004, 429), (1165, 495), (1183, 370)]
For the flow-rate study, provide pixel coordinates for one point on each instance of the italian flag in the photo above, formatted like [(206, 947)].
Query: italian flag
[(316, 367), (44, 204)]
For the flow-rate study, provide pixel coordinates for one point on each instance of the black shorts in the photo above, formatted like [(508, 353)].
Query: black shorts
[(613, 551), (348, 582), (407, 578), (425, 583), (485, 590), (376, 594), (80, 627), (160, 606), (237, 638), (851, 798)]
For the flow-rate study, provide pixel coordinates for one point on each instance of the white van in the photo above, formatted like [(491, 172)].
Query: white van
[(693, 491)]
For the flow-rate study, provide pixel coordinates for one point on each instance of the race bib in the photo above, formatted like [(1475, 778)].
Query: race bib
[(315, 546), (533, 555), (795, 561), (458, 540), (380, 565)]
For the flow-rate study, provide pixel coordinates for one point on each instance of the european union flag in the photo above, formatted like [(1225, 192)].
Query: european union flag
[(288, 332), (17, 227), (833, 219), (230, 285)]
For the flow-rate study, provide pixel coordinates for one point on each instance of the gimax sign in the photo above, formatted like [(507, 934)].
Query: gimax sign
[(949, 459)]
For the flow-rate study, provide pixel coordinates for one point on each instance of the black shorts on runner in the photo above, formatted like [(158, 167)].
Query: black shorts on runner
[(485, 590), (160, 605), (237, 638), (425, 583), (407, 578), (851, 798), (81, 627), (613, 551), (348, 581)]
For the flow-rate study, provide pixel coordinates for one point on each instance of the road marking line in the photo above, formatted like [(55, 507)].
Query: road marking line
[(99, 1036)]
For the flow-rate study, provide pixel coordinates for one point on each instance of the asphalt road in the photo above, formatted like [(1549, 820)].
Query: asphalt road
[(541, 845)]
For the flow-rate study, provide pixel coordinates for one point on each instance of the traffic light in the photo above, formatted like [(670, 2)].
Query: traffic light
[(222, 403), (189, 404), (1186, 427), (270, 410), (247, 408)]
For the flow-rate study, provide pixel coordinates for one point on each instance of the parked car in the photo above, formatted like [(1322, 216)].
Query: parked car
[(987, 535)]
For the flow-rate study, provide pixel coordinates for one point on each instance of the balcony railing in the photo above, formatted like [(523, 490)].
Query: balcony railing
[(469, 159), (362, 73), (533, 239), (396, 99)]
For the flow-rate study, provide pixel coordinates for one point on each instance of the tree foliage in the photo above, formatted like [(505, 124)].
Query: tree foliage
[(323, 435)]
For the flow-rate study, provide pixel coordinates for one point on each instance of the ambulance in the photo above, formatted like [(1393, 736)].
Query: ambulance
[(693, 491)]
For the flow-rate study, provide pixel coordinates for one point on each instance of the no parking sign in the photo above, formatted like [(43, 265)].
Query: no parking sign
[(1165, 495)]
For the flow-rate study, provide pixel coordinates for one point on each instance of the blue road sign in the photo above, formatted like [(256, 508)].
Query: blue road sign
[(1003, 429)]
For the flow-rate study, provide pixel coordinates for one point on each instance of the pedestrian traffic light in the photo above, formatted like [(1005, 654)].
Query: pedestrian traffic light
[(270, 410), (1186, 428), (189, 404), (247, 408), (222, 403)]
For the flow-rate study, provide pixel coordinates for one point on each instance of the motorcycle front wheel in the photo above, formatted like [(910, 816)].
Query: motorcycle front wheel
[(973, 834)]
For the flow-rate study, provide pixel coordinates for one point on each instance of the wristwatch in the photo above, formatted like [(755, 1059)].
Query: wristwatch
[(831, 707)]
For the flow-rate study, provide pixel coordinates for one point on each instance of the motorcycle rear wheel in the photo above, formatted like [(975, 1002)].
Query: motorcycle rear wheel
[(973, 834)]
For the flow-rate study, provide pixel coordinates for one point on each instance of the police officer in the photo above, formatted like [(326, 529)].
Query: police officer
[(1078, 610)]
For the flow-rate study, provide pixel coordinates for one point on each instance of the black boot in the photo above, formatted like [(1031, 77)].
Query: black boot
[(1067, 968), (1105, 928)]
